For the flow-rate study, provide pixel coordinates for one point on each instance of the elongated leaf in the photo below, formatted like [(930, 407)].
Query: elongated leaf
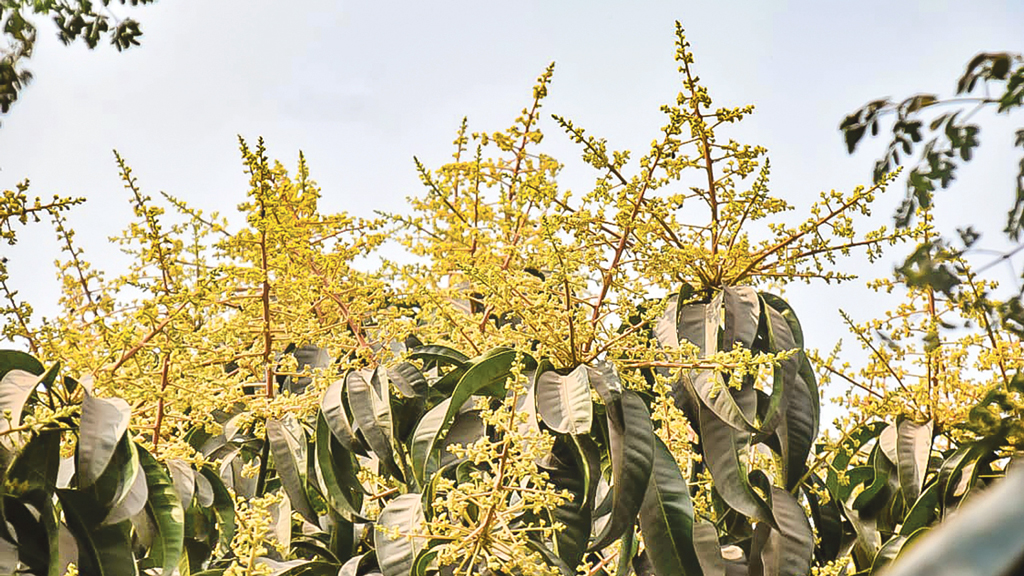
[(708, 549), (408, 379), (913, 447), (563, 402), (799, 425), (722, 446), (104, 423), (370, 401), (467, 428), (959, 472), (103, 550), (184, 479), (742, 312), (568, 468), (337, 468), (666, 518), (631, 446), (853, 443), (442, 354), (789, 549), (604, 378), (133, 499), (223, 509), (288, 445), (486, 375), (30, 532), (38, 462), (424, 459), (923, 512), (16, 387), (396, 555), (18, 360), (827, 518), (165, 509), (333, 407), (982, 538)]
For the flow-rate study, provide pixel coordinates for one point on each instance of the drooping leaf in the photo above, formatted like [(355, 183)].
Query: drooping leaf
[(184, 480), (397, 554), (788, 550), (722, 446), (563, 401), (16, 387), (104, 423), (165, 509), (742, 312), (371, 408), (913, 447), (288, 445), (337, 468), (708, 549), (333, 407), (103, 550), (666, 518), (631, 445), (425, 460), (223, 509), (605, 380), (408, 379), (568, 468)]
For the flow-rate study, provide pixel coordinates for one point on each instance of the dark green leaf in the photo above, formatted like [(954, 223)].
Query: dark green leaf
[(913, 447), (166, 511), (666, 518), (396, 555), (563, 401), (104, 423), (631, 445), (288, 445), (722, 446), (103, 550)]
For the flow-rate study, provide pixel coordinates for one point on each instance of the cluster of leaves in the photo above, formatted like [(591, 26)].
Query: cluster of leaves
[(74, 19), (548, 386)]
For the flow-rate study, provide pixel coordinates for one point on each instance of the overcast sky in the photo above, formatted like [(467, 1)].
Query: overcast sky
[(362, 87)]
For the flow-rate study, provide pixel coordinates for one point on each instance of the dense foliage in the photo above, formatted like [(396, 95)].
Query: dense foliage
[(541, 384)]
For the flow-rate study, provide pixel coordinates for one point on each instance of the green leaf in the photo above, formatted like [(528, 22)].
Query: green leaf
[(708, 549), (789, 549), (604, 378), (102, 550), (16, 387), (131, 498), (441, 354), (223, 509), (337, 468), (164, 507), (486, 375), (288, 445), (104, 423), (923, 512), (722, 446), (333, 407), (396, 555), (36, 465), (666, 518), (18, 360), (370, 400), (569, 469), (631, 446), (563, 401), (408, 379), (850, 446), (742, 313), (425, 461), (913, 447)]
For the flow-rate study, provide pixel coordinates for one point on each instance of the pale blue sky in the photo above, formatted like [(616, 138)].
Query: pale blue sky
[(362, 87)]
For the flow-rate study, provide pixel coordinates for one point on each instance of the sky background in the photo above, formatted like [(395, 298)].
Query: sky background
[(362, 87)]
